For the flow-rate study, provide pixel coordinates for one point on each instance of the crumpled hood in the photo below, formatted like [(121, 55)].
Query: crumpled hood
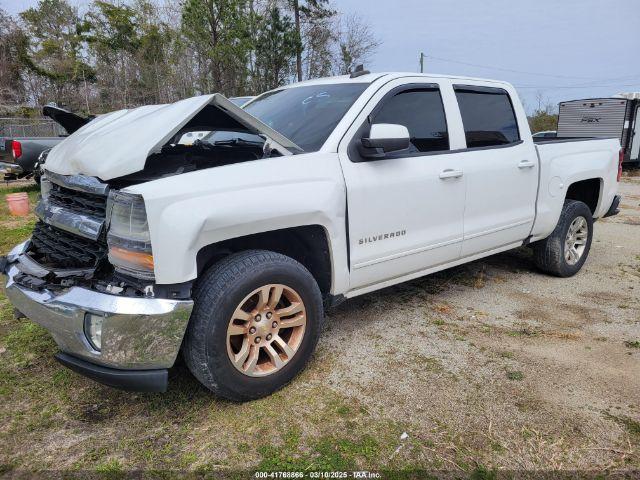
[(118, 143)]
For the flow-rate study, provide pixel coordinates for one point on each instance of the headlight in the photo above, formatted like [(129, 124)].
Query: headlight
[(45, 188), (128, 238)]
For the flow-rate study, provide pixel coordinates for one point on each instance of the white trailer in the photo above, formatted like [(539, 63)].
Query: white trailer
[(615, 117)]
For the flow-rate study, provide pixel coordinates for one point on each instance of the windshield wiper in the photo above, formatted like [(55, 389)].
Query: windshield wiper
[(236, 141)]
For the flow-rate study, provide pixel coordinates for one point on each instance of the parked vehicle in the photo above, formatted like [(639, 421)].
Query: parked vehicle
[(231, 249), (546, 134), (615, 117), (22, 153)]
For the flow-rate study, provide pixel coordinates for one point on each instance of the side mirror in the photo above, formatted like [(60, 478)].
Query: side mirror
[(384, 138)]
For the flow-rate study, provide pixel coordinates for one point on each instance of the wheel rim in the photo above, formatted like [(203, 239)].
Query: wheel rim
[(266, 330), (576, 240)]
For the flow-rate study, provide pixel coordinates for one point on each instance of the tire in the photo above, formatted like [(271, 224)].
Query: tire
[(550, 254), (220, 294)]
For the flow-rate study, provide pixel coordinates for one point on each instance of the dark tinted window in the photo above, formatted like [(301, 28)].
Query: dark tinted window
[(306, 115), (488, 116), (422, 112)]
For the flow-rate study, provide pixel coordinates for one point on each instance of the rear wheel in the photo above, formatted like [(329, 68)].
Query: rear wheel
[(564, 252), (256, 320)]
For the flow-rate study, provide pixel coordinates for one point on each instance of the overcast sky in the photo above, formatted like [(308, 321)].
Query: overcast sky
[(556, 45)]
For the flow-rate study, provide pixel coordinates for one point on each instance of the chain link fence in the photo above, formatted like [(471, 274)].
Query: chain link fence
[(29, 127)]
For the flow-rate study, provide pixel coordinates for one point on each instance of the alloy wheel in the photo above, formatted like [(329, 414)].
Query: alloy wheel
[(266, 330), (576, 240)]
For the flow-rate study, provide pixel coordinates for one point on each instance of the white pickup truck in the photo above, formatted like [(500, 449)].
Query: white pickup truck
[(229, 250)]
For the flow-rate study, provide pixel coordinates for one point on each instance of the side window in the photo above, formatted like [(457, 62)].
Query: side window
[(487, 116), (422, 112)]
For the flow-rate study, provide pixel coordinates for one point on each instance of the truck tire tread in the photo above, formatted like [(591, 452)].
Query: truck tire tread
[(548, 254), (208, 365)]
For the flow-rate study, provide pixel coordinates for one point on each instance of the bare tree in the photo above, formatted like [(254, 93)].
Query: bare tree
[(116, 54), (356, 44), (319, 37), (296, 16), (12, 40)]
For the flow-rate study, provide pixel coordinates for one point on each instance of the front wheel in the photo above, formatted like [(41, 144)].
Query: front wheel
[(256, 320), (564, 252)]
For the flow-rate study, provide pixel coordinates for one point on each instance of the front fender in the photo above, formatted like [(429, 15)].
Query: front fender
[(190, 211)]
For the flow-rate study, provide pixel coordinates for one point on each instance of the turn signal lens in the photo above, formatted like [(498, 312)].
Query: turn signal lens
[(131, 259)]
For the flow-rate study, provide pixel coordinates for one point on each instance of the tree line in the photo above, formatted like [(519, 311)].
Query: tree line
[(115, 55)]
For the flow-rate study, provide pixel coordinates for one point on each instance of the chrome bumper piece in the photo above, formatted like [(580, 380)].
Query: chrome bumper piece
[(10, 168), (137, 333)]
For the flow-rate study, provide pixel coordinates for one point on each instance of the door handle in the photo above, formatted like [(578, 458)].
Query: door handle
[(450, 173), (526, 164)]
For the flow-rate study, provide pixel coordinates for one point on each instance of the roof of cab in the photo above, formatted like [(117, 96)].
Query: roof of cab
[(372, 77)]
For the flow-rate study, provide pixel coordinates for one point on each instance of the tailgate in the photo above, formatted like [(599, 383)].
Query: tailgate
[(6, 154)]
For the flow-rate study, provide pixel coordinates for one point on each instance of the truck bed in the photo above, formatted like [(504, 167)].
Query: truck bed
[(564, 161), (543, 140)]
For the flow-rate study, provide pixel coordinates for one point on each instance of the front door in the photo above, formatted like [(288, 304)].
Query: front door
[(405, 212)]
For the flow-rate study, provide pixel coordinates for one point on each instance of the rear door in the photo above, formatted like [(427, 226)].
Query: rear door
[(501, 169), (405, 212)]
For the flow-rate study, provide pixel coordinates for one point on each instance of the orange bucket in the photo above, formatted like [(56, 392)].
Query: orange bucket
[(18, 204)]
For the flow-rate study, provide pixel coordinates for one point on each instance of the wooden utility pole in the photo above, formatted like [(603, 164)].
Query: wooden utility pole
[(422, 62)]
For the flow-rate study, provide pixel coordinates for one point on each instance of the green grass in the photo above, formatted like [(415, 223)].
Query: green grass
[(14, 230), (524, 331), (632, 344), (631, 426), (328, 453), (110, 469), (515, 375), (29, 188), (10, 237)]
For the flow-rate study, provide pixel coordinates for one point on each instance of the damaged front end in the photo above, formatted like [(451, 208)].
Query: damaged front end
[(111, 325), (87, 273), (91, 233), (70, 243)]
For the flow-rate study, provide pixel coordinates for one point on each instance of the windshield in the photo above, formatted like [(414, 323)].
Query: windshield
[(306, 115)]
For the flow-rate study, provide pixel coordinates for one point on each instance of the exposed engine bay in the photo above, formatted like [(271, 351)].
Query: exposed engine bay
[(210, 139), (192, 134)]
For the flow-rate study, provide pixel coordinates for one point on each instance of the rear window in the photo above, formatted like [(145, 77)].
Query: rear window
[(487, 115)]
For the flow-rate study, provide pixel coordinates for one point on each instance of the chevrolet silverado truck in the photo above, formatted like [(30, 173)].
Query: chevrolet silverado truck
[(228, 250)]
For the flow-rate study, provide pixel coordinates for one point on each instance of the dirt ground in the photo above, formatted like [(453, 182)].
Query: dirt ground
[(487, 368), (545, 369)]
